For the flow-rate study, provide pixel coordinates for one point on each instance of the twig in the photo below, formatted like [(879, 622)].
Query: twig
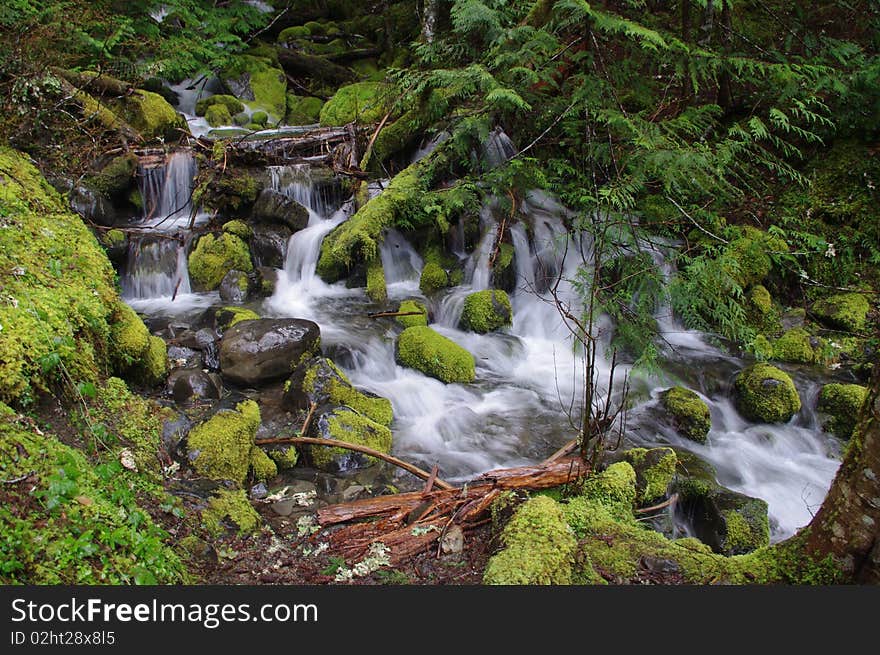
[(568, 448), (21, 478), (698, 226), (667, 503), (392, 314), (333, 443), (431, 479), (305, 426)]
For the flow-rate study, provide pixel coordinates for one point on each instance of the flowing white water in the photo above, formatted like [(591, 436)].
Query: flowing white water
[(528, 376), (157, 276)]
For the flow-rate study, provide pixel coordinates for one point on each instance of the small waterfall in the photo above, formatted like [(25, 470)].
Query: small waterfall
[(498, 148), (402, 265), (296, 182), (156, 272)]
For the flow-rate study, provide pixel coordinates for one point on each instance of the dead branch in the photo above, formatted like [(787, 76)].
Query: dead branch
[(393, 314)]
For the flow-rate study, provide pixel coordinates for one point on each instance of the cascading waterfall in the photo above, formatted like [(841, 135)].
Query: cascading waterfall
[(525, 400), (156, 273)]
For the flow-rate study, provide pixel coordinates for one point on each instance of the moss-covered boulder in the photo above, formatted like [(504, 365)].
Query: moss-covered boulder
[(486, 311), (229, 510), (655, 469), (214, 256), (752, 254), (257, 81), (766, 394), (761, 312), (232, 104), (152, 116), (226, 317), (434, 355), (842, 403), (730, 523), (377, 290), (318, 380), (688, 412), (303, 110), (433, 278), (290, 34), (236, 287), (115, 242), (231, 194), (115, 179), (844, 311), (362, 102), (239, 228), (220, 447), (797, 346), (345, 424), (218, 115), (538, 547), (136, 354), (420, 318)]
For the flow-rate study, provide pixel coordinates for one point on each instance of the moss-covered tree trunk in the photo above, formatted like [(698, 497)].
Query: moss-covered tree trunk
[(847, 525)]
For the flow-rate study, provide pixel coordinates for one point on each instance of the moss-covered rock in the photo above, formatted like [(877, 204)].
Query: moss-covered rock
[(226, 317), (303, 110), (220, 448), (239, 228), (153, 364), (229, 194), (115, 179), (75, 522), (485, 311), (233, 105), (688, 412), (844, 311), (152, 116), (796, 346), (842, 403), (377, 291), (318, 380), (766, 394), (213, 257), (290, 34), (362, 102), (420, 319), (262, 465), (655, 469), (230, 510), (431, 353), (538, 547), (762, 313), (752, 253), (260, 118), (346, 424), (218, 115), (256, 81), (433, 278), (285, 457), (129, 335)]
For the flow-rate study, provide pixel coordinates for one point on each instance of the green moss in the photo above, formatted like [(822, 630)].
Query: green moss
[(795, 346), (129, 337), (350, 426), (261, 117), (412, 321), (285, 457), (742, 537), (303, 110), (761, 348), (152, 116), (336, 389), (762, 313), (214, 257), (689, 413), (220, 448), (262, 466), (153, 365), (752, 252), (376, 289), (362, 102), (116, 177), (315, 28), (289, 34), (358, 238), (654, 469), (113, 238), (218, 115), (136, 199), (427, 351), (239, 229), (75, 521), (267, 84), (228, 193), (226, 317), (230, 509), (232, 104), (766, 394), (538, 547), (845, 311), (843, 403), (404, 131), (485, 311), (433, 277)]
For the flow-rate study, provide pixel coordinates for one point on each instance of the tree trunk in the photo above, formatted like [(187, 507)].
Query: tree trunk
[(725, 95), (847, 525)]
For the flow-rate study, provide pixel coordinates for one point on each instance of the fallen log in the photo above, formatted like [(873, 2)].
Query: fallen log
[(319, 68), (319, 144)]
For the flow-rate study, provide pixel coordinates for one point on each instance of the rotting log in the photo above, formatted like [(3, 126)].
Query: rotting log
[(303, 65), (321, 145)]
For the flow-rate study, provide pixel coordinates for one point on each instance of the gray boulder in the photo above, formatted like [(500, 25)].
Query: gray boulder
[(253, 353)]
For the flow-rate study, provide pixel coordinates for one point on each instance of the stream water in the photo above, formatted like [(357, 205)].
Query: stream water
[(524, 401)]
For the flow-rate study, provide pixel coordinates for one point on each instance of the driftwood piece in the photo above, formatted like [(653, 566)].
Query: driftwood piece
[(319, 145)]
